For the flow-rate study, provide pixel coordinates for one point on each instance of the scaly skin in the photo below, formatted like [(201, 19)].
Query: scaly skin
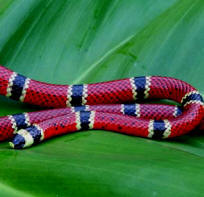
[(26, 90), (10, 124)]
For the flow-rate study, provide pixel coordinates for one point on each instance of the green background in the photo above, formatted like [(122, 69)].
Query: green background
[(87, 41)]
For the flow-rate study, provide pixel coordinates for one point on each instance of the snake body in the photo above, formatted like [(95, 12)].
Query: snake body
[(12, 123), (100, 106)]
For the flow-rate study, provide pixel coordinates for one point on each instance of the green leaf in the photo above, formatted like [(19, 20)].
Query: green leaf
[(84, 41)]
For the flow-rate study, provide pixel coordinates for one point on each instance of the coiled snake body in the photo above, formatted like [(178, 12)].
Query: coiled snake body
[(104, 105)]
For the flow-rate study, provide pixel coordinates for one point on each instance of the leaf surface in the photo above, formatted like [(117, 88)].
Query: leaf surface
[(87, 41)]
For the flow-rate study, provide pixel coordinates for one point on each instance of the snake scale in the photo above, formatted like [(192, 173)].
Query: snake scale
[(105, 105)]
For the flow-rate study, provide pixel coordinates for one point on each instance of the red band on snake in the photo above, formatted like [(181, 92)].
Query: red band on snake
[(148, 121)]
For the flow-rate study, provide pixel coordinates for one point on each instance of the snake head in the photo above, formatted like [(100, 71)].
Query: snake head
[(27, 137), (21, 140)]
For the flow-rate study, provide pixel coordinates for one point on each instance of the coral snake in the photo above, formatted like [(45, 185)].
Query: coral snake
[(105, 105)]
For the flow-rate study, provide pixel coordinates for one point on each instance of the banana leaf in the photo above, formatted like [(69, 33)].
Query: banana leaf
[(87, 41)]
